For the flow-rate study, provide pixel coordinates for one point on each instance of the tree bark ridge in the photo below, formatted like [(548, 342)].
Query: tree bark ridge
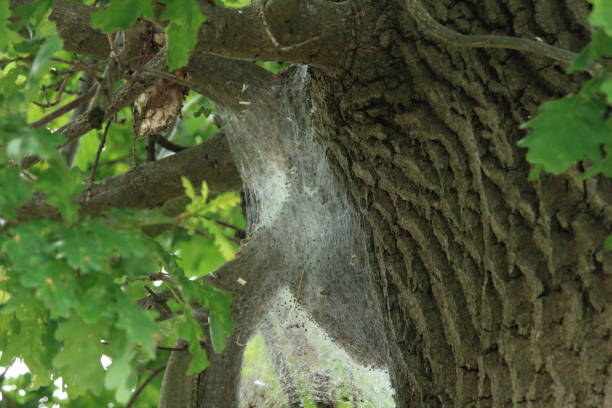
[(490, 283)]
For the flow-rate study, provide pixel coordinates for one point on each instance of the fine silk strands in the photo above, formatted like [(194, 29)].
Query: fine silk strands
[(319, 339)]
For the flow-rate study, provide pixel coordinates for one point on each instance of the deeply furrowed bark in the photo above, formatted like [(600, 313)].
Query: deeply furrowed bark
[(495, 290)]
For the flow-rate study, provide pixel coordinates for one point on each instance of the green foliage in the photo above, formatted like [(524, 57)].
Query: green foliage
[(578, 128), (67, 304), (121, 14), (69, 285), (200, 215), (5, 32), (185, 18), (602, 15), (569, 130)]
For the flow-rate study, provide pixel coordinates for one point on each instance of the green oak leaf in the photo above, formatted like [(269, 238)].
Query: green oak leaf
[(126, 243), (29, 46), (121, 14), (566, 131), (222, 202), (185, 19), (30, 252), (96, 300), (31, 12), (138, 325), (5, 32), (78, 360), (606, 87), (41, 64), (25, 140), (199, 256), (600, 45), (64, 199), (218, 333), (190, 331), (26, 325), (603, 166), (225, 246), (15, 192), (10, 89), (90, 246), (124, 218), (218, 304), (601, 16), (58, 291), (189, 190), (83, 249), (121, 376)]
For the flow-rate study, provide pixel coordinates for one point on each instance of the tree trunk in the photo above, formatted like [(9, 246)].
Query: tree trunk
[(387, 195), (494, 288)]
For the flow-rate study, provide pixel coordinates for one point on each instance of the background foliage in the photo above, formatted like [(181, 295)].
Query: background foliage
[(68, 287)]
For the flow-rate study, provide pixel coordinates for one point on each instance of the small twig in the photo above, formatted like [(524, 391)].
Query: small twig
[(113, 162), (142, 386), (151, 292), (168, 145), (77, 64), (151, 147), (184, 348), (96, 163), (230, 226), (58, 96), (161, 348), (159, 276), (64, 109), (428, 24)]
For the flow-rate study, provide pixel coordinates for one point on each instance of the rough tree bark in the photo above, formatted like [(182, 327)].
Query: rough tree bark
[(494, 291)]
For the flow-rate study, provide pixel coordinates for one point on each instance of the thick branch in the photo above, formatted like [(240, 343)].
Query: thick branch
[(152, 184), (222, 80), (301, 31)]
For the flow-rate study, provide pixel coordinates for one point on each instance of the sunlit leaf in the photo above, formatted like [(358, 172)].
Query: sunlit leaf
[(189, 190)]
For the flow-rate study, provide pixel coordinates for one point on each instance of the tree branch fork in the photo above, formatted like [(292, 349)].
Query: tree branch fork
[(258, 31)]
